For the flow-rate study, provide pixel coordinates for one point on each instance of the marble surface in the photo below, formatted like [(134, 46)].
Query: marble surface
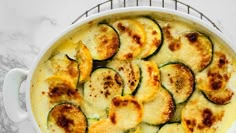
[(27, 25)]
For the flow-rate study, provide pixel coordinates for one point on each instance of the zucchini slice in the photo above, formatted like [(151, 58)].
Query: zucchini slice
[(62, 90), (103, 42), (150, 81), (160, 110), (130, 73), (178, 79), (104, 126), (64, 66), (132, 38), (125, 112), (172, 128), (191, 48), (85, 61), (144, 128), (200, 116), (217, 75), (104, 84), (66, 118), (219, 97), (153, 36)]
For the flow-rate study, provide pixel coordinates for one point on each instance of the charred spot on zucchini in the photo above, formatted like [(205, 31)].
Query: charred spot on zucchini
[(178, 79), (104, 84), (84, 58), (149, 82), (67, 118), (199, 115), (220, 97), (130, 73), (61, 90), (197, 54), (153, 36), (164, 103), (132, 38), (215, 78), (103, 42), (125, 112), (172, 128)]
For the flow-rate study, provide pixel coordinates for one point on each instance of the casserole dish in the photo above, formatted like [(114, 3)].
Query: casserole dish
[(15, 77)]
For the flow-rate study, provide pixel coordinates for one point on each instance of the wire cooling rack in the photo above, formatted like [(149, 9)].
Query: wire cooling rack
[(170, 4)]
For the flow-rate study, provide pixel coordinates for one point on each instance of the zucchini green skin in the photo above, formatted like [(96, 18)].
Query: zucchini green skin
[(106, 23), (111, 50), (130, 73), (177, 130), (71, 104), (221, 102), (192, 75), (162, 38)]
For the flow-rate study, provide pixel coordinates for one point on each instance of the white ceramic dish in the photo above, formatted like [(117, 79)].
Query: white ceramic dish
[(15, 77)]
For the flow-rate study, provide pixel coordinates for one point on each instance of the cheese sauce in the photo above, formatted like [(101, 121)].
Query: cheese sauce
[(40, 100)]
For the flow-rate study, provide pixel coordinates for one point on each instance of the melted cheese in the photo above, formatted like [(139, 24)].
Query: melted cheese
[(40, 100)]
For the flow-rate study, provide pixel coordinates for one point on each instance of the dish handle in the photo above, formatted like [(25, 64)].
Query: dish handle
[(11, 87)]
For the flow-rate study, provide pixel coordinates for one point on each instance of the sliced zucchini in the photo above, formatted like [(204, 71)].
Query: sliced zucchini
[(85, 61), (200, 115), (150, 81), (160, 110), (130, 73), (66, 118), (153, 36), (178, 79), (219, 97), (177, 115), (132, 38), (217, 75), (144, 128), (104, 126), (104, 84), (172, 128), (64, 66), (62, 90), (192, 48), (102, 41), (125, 112)]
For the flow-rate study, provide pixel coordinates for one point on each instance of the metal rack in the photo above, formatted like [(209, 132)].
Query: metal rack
[(170, 4)]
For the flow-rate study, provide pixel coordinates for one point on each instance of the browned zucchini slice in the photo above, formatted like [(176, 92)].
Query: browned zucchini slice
[(160, 110), (62, 90), (219, 97), (85, 61), (150, 81), (217, 75), (104, 126), (172, 128), (66, 118), (102, 42), (132, 38), (153, 36), (64, 66), (130, 73), (191, 48), (178, 79), (104, 84), (125, 112), (200, 115)]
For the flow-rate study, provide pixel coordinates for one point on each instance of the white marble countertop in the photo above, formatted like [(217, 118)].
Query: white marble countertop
[(27, 25)]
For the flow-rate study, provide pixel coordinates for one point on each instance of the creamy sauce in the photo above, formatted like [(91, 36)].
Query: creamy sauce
[(39, 86)]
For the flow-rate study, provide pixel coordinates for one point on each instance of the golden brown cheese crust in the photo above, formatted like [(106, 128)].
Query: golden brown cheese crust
[(67, 117)]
